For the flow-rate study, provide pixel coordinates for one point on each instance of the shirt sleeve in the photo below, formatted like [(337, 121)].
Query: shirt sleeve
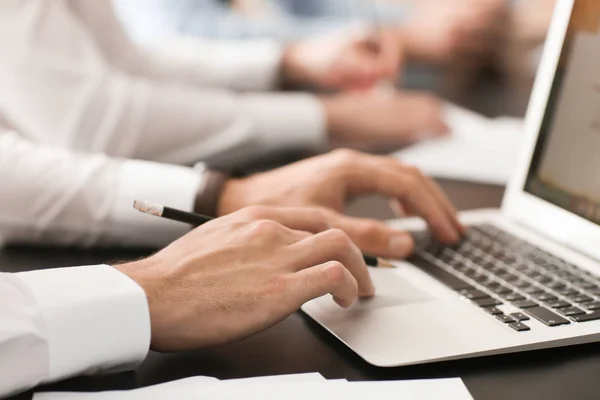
[(60, 323), (89, 90), (53, 195)]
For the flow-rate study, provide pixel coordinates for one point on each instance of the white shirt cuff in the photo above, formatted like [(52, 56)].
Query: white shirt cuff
[(249, 65), (288, 121), (240, 65), (169, 185), (95, 319)]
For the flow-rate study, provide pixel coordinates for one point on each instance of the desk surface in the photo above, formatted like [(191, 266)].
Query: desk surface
[(299, 345)]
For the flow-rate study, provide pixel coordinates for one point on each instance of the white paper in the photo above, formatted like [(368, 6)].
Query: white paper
[(479, 149), (447, 389), (167, 390), (289, 388), (262, 380)]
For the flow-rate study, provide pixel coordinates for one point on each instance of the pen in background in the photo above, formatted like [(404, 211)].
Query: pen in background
[(385, 87)]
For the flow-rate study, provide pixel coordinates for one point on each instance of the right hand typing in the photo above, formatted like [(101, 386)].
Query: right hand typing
[(244, 272)]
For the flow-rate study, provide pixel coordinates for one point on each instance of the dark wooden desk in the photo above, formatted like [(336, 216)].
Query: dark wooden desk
[(298, 345)]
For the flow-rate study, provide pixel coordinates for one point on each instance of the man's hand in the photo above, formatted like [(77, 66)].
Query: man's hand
[(370, 118), (346, 60), (330, 181), (242, 273), (445, 29)]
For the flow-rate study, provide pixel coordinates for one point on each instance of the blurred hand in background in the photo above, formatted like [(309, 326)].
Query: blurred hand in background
[(348, 59), (442, 30), (364, 118)]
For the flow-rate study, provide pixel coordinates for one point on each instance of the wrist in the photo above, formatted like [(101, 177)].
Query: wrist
[(231, 196), (333, 117), (290, 74), (140, 272)]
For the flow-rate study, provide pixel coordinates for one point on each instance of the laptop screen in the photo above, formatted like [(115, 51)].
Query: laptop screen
[(566, 165)]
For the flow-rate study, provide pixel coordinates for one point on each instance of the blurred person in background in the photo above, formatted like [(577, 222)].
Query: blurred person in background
[(89, 122), (69, 77), (431, 30)]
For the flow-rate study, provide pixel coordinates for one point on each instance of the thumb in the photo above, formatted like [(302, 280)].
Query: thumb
[(375, 237)]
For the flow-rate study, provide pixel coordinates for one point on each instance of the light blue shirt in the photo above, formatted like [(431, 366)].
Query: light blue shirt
[(293, 19)]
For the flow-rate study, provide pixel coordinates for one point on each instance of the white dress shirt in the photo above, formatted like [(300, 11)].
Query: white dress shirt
[(70, 77), (55, 324), (54, 195), (84, 104)]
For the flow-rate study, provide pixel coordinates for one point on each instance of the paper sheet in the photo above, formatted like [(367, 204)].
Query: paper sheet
[(167, 390), (479, 149), (293, 387)]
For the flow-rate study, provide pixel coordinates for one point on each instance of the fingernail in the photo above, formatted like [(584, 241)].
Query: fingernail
[(370, 292), (401, 245), (454, 237)]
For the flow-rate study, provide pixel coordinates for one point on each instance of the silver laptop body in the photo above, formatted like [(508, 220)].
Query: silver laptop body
[(529, 275)]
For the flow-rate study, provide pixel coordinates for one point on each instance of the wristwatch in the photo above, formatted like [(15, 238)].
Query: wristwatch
[(209, 193)]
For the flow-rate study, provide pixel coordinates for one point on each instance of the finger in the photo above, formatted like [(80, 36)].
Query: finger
[(295, 218), (421, 199), (332, 245), (398, 209), (376, 238), (327, 278), (442, 199), (375, 174), (448, 206)]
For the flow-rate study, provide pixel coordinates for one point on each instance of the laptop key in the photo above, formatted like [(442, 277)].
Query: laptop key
[(473, 294), (489, 302), (546, 317), (519, 317), (507, 319), (569, 291), (519, 327), (593, 316), (586, 285), (523, 304), (500, 290), (594, 291), (556, 285), (580, 298), (571, 311), (594, 305), (493, 311), (532, 289), (544, 296), (441, 275), (513, 297), (521, 284), (557, 304)]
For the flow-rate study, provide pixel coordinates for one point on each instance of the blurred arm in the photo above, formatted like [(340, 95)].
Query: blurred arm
[(60, 85), (247, 65)]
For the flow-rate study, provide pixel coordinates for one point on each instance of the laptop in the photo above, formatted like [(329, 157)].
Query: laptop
[(528, 275)]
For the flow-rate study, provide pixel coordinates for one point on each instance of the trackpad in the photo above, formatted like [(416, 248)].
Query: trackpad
[(391, 290)]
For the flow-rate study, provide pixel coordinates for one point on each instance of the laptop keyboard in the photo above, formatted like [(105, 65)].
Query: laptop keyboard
[(492, 268)]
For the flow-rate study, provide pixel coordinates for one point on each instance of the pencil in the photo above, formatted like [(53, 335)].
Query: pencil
[(170, 213), (198, 219)]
